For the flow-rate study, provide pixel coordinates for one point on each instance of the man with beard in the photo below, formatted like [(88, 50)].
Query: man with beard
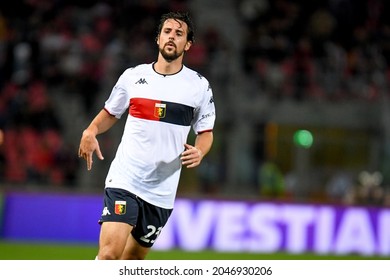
[(164, 100)]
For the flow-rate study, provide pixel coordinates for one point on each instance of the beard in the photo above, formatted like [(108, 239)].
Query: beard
[(169, 57)]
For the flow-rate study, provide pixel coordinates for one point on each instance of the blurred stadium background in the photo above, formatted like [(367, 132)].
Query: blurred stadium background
[(303, 123)]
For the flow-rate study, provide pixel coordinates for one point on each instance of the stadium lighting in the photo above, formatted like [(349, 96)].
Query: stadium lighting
[(303, 138)]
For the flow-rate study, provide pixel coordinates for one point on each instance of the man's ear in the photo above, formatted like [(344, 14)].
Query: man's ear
[(188, 45), (157, 39)]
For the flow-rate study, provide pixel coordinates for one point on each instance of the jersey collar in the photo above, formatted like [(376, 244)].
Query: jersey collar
[(165, 75)]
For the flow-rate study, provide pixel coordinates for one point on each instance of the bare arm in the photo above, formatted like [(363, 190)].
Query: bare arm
[(88, 143), (193, 155)]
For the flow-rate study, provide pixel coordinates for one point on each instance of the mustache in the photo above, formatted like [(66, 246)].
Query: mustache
[(169, 44)]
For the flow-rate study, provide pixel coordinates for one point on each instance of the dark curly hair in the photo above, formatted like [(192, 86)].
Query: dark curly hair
[(182, 16)]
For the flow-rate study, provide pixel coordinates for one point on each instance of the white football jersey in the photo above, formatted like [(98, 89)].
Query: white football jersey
[(161, 111)]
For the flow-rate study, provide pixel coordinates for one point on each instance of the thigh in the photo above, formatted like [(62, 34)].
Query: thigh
[(113, 239), (134, 250)]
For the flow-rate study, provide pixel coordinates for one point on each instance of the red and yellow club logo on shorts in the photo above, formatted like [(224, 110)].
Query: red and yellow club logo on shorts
[(120, 207)]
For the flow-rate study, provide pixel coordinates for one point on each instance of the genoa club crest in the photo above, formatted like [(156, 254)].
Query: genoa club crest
[(159, 110), (120, 207)]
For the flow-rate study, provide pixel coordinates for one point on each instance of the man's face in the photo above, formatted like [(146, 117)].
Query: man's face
[(172, 40)]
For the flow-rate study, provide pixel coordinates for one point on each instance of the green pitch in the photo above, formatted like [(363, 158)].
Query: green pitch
[(45, 251)]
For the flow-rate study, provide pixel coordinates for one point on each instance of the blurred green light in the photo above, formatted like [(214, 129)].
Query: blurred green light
[(303, 138)]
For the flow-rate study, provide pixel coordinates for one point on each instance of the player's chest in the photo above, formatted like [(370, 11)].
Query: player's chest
[(163, 88)]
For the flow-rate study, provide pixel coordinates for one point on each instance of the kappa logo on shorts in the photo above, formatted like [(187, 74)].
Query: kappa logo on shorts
[(106, 212), (120, 207)]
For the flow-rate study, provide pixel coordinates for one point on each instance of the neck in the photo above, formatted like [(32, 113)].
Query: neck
[(168, 67)]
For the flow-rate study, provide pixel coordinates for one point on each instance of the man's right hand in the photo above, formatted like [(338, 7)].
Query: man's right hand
[(88, 145)]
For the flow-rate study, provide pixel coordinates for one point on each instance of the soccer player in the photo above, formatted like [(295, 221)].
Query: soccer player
[(164, 99)]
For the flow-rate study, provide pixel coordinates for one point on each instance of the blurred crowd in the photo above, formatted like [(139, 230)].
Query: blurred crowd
[(326, 50), (329, 50), (49, 45)]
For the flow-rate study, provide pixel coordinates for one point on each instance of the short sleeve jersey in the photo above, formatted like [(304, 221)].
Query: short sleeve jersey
[(161, 111)]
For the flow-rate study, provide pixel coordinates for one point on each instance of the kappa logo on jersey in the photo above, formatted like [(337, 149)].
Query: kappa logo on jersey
[(120, 207), (142, 81), (160, 110), (106, 212)]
